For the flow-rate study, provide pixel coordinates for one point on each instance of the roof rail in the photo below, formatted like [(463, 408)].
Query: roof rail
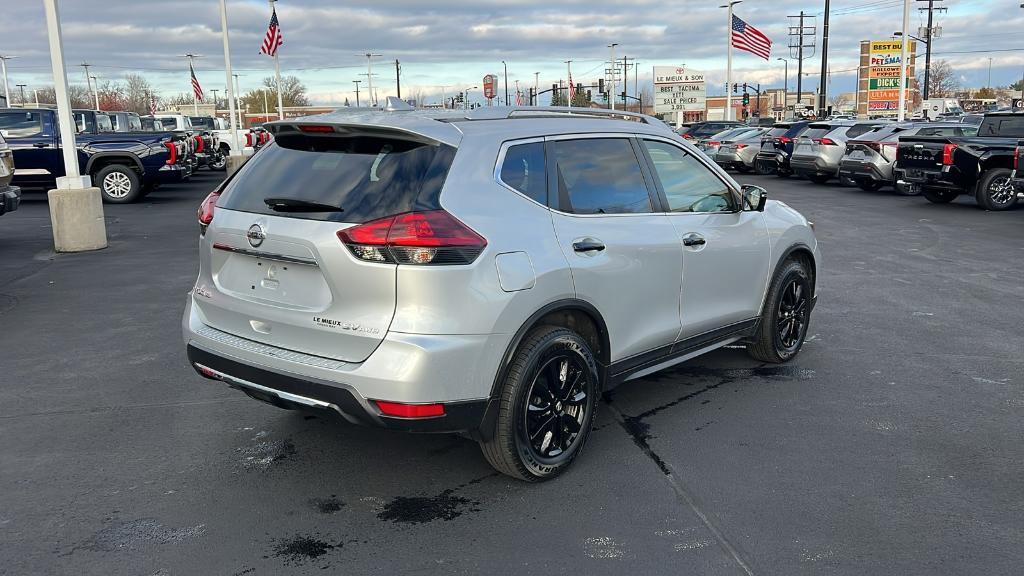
[(509, 112)]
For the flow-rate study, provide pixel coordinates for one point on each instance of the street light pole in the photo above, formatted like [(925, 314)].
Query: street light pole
[(96, 92), (76, 209), (356, 82), (369, 74), (536, 87), (7, 90), (236, 147), (611, 61), (904, 44), (785, 86)]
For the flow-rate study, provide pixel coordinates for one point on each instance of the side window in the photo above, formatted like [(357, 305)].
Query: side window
[(599, 176), (523, 170), (689, 185)]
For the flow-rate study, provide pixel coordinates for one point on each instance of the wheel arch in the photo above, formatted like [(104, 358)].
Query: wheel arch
[(577, 315), (803, 253), (101, 160)]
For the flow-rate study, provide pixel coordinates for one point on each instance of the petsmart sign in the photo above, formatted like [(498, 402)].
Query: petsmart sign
[(885, 66)]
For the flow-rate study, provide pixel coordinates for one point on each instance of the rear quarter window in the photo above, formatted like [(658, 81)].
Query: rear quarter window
[(859, 129), (523, 170), (367, 177)]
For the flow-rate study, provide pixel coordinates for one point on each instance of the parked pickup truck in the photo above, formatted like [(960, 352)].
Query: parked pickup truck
[(10, 196), (206, 144), (125, 166), (944, 167), (220, 128)]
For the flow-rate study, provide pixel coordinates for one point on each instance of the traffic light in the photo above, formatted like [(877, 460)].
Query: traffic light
[(735, 87), (746, 99), (600, 85)]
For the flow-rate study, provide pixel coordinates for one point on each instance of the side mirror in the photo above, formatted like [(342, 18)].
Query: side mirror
[(754, 197)]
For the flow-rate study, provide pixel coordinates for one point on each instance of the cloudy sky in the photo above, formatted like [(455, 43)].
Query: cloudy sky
[(454, 43)]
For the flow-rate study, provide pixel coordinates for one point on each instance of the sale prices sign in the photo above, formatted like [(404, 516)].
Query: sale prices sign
[(678, 89)]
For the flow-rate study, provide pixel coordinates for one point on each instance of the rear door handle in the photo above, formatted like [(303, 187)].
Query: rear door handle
[(588, 245), (694, 240), (40, 145)]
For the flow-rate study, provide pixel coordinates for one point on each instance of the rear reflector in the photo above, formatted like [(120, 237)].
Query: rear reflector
[(430, 237), (947, 154), (399, 410)]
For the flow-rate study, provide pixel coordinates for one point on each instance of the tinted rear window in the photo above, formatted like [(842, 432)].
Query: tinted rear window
[(882, 133), (816, 131), (1002, 126), (367, 177), (776, 131), (20, 124), (523, 170)]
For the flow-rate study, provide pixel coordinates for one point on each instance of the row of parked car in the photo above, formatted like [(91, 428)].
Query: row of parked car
[(939, 160), (127, 155)]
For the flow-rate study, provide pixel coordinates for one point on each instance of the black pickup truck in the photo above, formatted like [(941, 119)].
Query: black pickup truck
[(944, 167), (125, 166)]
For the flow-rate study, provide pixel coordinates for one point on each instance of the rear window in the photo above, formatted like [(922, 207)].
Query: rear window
[(202, 122), (940, 131), (523, 170), (816, 131), (21, 124), (859, 129), (367, 177), (882, 133), (1002, 126), (776, 131)]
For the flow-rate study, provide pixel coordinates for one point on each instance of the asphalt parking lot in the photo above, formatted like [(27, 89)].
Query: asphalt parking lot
[(891, 445)]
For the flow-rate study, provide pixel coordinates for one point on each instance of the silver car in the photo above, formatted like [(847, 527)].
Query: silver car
[(487, 272), (739, 154), (710, 145), (818, 150), (869, 159)]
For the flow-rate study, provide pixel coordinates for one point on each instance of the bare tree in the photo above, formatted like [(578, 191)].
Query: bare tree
[(79, 95), (839, 102), (180, 99), (293, 91), (137, 93), (942, 81)]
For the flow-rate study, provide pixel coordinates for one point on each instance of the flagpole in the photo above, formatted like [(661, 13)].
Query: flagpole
[(568, 93), (728, 66), (277, 74)]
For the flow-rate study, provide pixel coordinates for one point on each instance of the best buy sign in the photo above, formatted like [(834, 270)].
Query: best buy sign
[(883, 83)]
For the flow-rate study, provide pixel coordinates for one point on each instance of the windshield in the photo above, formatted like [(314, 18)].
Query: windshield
[(20, 124)]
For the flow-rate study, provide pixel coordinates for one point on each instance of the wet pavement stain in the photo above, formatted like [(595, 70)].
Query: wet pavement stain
[(264, 454), (302, 548), (327, 505), (135, 533), (422, 509)]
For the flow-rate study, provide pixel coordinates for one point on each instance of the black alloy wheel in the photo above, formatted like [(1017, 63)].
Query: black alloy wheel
[(785, 316), (556, 408), (996, 190), (792, 314)]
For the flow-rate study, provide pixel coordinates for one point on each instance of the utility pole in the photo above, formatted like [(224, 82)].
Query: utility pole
[(398, 78), (369, 73), (928, 36), (214, 91), (96, 93), (22, 88), (536, 87), (823, 81), (88, 81), (611, 61), (799, 49), (7, 90), (625, 78), (356, 82)]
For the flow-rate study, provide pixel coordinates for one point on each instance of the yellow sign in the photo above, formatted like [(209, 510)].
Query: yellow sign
[(886, 46)]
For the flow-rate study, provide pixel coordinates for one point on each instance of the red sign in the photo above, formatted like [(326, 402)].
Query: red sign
[(490, 86)]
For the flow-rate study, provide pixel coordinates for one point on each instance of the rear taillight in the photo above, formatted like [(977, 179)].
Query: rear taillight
[(947, 154), (874, 146), (172, 152), (890, 147), (1016, 158), (316, 128), (714, 143), (741, 146), (199, 144), (205, 212), (784, 140), (433, 237), (687, 136), (827, 141)]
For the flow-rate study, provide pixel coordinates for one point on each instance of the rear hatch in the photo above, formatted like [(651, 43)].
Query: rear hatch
[(281, 274), (877, 146), (810, 140), (768, 139), (922, 152)]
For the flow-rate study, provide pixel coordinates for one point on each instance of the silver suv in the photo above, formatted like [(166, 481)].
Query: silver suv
[(489, 272)]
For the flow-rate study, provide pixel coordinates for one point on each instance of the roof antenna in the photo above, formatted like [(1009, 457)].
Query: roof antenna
[(394, 104)]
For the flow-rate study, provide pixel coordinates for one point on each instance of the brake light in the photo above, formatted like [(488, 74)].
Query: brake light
[(785, 140), (199, 144), (826, 141), (1016, 157), (687, 136), (947, 154), (172, 152), (432, 237), (401, 410), (741, 146), (316, 128), (714, 143), (205, 212)]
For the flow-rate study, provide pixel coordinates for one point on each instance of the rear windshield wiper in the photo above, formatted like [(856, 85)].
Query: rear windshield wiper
[(296, 205)]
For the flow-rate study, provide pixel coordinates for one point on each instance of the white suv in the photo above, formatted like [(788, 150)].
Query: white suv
[(488, 272)]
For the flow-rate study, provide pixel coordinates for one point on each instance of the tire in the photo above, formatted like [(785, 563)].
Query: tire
[(219, 163), (995, 190), (118, 184), (869, 185), (938, 195), (819, 178), (786, 314), (547, 355), (742, 168), (763, 168)]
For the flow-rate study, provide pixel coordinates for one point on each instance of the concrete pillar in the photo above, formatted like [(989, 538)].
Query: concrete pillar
[(76, 211), (235, 162)]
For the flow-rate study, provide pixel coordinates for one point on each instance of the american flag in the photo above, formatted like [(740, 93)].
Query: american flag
[(572, 89), (746, 37), (273, 40), (196, 88), (519, 98)]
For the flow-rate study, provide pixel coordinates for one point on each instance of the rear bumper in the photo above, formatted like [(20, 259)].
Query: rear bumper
[(866, 171), (292, 391), (813, 165), (454, 370), (926, 178), (173, 173), (10, 198)]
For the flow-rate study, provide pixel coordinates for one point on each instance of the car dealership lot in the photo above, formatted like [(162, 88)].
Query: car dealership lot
[(891, 444)]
